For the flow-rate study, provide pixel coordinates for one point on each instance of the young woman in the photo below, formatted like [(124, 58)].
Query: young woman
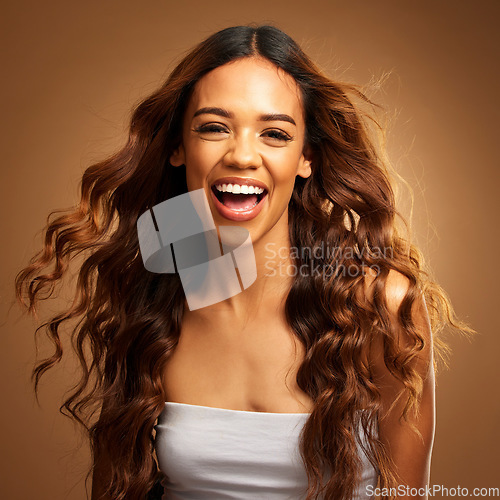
[(317, 380)]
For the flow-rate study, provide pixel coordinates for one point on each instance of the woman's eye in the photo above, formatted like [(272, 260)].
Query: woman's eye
[(211, 129), (277, 135)]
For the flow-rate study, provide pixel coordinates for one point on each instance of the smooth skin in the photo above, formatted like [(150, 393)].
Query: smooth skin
[(240, 354)]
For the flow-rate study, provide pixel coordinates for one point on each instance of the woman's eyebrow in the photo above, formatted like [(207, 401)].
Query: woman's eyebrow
[(213, 111), (278, 117), (269, 117)]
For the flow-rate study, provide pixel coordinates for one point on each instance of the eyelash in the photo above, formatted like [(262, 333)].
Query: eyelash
[(210, 128), (273, 134), (280, 136)]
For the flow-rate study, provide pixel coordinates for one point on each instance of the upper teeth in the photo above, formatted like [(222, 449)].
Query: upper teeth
[(237, 189)]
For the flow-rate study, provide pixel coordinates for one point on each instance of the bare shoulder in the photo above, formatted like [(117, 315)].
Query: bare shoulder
[(410, 448), (396, 288)]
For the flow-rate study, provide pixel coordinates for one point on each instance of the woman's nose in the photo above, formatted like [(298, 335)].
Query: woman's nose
[(243, 152)]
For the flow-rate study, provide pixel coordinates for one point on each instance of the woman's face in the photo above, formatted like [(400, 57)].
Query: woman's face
[(243, 143)]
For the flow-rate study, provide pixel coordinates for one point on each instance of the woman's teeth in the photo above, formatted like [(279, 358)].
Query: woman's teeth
[(237, 189), (238, 202)]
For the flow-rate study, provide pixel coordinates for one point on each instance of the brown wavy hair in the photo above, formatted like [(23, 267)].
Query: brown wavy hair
[(129, 319)]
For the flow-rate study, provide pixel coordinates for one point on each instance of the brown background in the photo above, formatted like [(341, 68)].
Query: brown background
[(72, 71)]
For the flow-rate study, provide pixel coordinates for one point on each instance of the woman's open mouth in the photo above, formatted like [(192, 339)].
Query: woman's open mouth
[(238, 201)]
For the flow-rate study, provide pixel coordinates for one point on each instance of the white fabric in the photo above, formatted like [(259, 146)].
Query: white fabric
[(217, 454)]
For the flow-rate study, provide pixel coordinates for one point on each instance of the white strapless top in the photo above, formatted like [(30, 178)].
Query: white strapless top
[(217, 454)]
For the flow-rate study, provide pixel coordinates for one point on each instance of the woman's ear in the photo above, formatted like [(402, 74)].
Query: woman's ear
[(305, 164), (177, 158)]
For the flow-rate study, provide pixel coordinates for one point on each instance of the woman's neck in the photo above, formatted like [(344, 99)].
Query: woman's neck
[(268, 292)]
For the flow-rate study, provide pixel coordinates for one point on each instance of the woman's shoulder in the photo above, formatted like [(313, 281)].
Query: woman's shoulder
[(397, 285)]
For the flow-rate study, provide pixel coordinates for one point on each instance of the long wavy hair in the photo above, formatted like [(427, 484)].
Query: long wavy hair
[(129, 320)]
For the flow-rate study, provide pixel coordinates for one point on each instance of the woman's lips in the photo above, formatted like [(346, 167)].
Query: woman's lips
[(238, 215)]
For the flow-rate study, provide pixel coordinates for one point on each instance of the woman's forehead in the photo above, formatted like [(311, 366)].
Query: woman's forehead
[(250, 86)]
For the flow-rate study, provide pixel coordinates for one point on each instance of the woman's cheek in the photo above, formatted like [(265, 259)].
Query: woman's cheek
[(207, 154)]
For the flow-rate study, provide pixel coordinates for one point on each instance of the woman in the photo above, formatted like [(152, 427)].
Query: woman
[(330, 352)]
